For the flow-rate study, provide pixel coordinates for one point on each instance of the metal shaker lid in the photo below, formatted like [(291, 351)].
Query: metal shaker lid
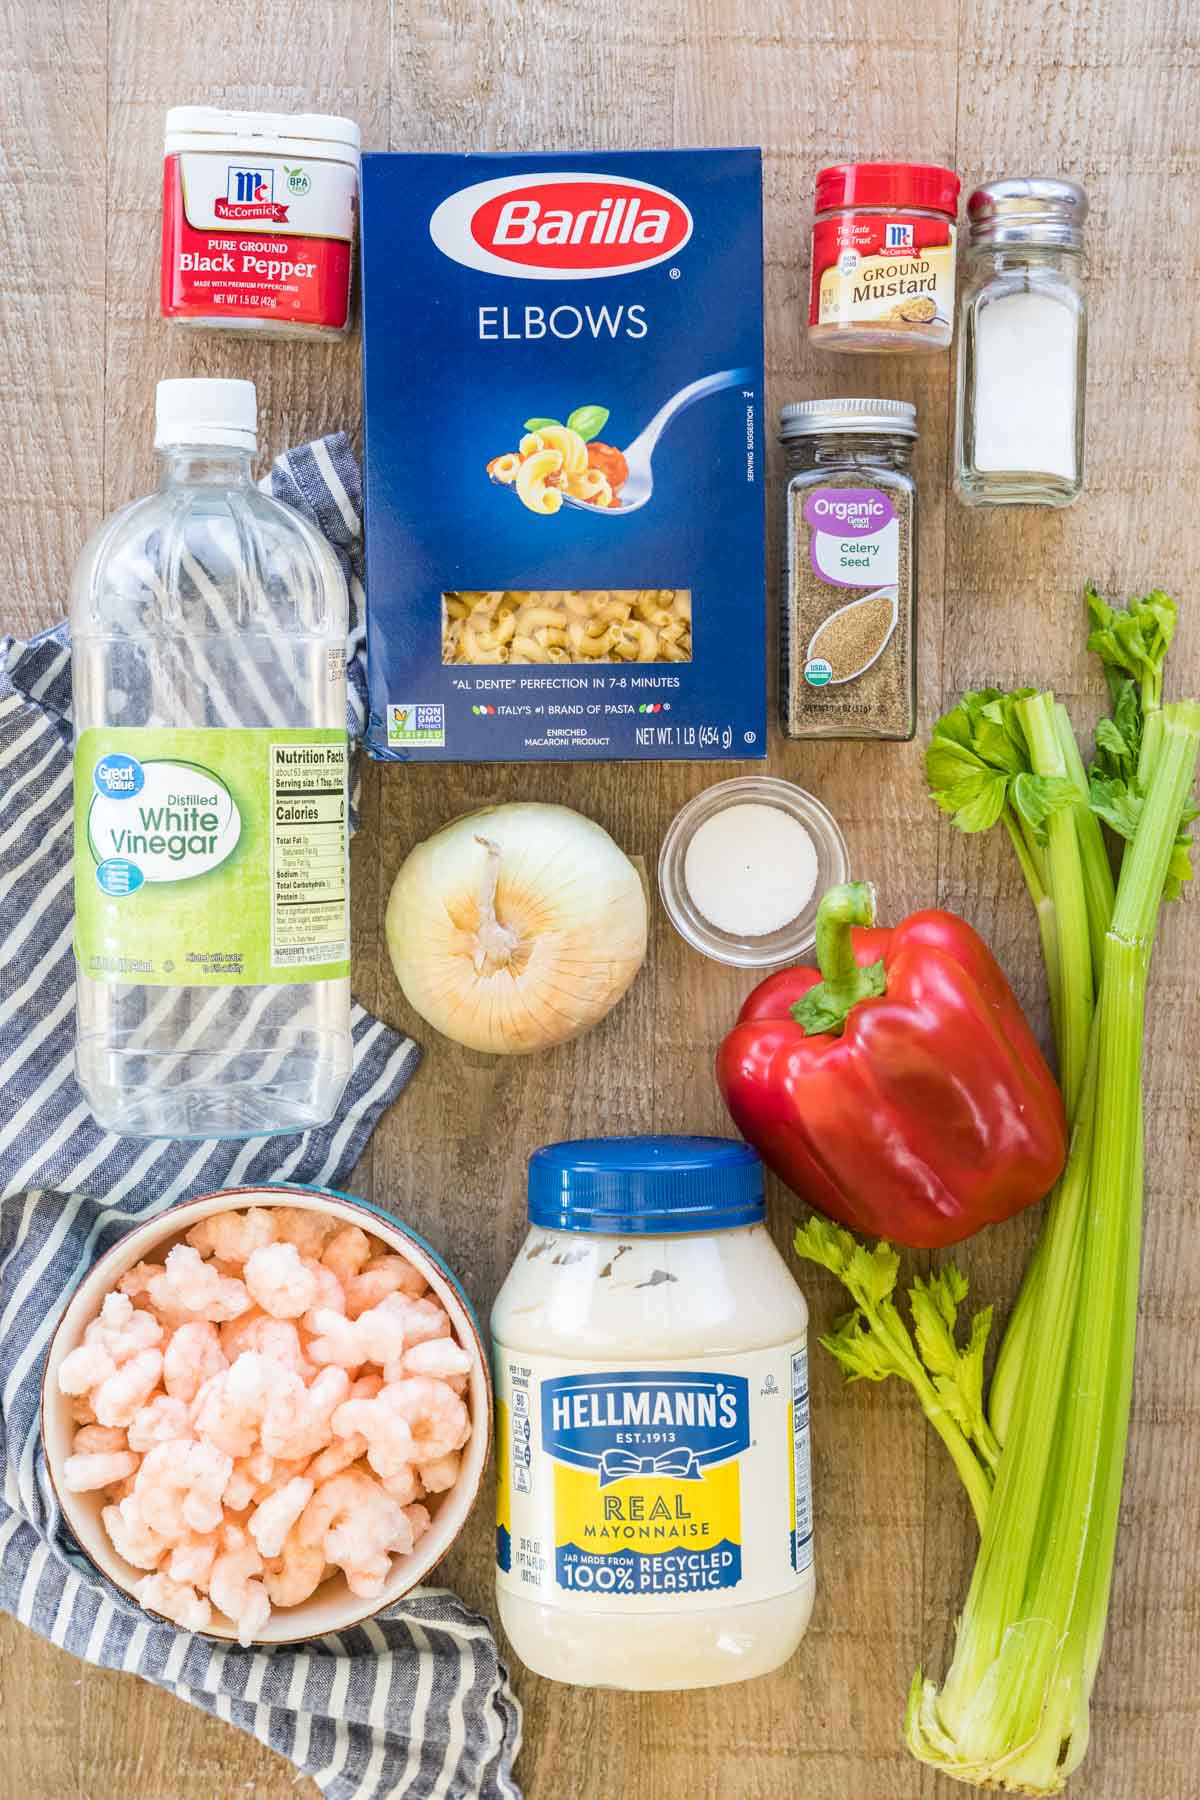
[(1028, 209)]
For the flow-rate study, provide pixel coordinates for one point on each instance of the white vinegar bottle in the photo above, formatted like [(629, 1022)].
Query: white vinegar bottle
[(208, 624)]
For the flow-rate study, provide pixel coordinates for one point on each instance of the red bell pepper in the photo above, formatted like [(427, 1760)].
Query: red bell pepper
[(897, 1088)]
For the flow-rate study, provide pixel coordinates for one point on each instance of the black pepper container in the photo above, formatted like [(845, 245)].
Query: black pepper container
[(847, 642)]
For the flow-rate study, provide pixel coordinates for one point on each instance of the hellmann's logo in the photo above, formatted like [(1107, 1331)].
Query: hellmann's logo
[(645, 1422), (561, 226)]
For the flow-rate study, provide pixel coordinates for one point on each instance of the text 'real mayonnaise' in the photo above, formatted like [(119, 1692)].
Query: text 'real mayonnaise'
[(654, 1518)]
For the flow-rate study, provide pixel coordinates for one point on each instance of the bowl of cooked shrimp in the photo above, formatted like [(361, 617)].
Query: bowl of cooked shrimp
[(266, 1413)]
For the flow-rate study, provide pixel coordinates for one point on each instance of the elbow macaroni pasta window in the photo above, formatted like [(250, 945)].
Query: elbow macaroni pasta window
[(573, 625)]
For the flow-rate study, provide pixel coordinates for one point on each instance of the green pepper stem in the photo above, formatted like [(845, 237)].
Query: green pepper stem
[(843, 981)]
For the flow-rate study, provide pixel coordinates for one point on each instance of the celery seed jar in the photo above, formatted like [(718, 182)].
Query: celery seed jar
[(847, 638)]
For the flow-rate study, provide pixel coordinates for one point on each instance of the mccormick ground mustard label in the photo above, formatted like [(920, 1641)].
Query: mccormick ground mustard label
[(656, 1487), (882, 268), (211, 857)]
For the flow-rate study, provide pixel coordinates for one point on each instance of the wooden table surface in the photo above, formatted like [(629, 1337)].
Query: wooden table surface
[(1104, 90)]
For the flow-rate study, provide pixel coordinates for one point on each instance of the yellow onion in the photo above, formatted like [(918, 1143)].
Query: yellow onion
[(516, 928)]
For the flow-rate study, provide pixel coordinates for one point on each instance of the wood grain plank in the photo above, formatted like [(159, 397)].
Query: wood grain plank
[(53, 99), (1100, 92)]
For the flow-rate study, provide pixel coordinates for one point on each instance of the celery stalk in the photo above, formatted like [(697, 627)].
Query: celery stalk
[(1066, 881), (1013, 1710)]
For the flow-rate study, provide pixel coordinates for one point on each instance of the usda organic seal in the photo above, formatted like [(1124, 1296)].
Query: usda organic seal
[(818, 672)]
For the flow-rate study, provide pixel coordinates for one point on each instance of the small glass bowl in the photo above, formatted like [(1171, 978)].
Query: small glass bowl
[(792, 940)]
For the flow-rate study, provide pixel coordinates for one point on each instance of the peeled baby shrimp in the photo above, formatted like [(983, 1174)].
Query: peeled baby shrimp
[(296, 1573), (250, 1473), (128, 1388), (84, 1368), (191, 1285), (122, 1329), (237, 1593), (92, 1440), (191, 1562), (193, 1353), (113, 1339), (376, 1336), (130, 1535), (276, 1338), (297, 1421), (437, 1418), (357, 1523), (135, 1283), (336, 1456), (229, 1409), (441, 1359), (233, 1236), (81, 1409), (270, 1523), (176, 1601), (347, 1252), (179, 1488), (390, 1443), (336, 1339), (279, 1283), (424, 1322), (160, 1420), (329, 1293), (383, 1275), (87, 1473), (405, 1485), (309, 1230), (420, 1521), (440, 1475)]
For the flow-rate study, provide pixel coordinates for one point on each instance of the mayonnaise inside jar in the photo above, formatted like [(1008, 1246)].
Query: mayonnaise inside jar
[(654, 1515)]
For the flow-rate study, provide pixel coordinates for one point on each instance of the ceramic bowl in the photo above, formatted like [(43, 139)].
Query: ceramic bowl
[(333, 1607)]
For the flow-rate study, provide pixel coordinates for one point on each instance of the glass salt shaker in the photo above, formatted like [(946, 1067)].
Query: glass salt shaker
[(1022, 345)]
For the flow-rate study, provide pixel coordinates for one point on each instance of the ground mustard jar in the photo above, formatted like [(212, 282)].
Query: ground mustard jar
[(654, 1519), (883, 257)]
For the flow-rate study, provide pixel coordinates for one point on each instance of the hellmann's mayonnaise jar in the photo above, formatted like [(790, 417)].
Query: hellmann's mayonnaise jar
[(654, 1516)]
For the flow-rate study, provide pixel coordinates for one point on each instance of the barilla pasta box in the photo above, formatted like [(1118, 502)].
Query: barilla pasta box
[(564, 456)]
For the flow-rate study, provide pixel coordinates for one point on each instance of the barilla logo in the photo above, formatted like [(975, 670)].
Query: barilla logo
[(560, 227), (249, 194), (645, 1423)]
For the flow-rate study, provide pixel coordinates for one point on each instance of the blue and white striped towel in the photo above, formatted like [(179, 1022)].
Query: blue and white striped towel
[(415, 1704)]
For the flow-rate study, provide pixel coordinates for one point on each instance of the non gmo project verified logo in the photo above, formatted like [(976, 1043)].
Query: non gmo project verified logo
[(410, 722)]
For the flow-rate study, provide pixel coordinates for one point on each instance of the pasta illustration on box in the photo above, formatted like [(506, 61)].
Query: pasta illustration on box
[(554, 462), (564, 508)]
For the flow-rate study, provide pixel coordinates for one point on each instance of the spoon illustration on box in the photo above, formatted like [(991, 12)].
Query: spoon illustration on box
[(535, 473)]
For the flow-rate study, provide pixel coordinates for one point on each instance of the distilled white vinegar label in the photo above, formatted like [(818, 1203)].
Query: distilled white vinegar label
[(211, 857)]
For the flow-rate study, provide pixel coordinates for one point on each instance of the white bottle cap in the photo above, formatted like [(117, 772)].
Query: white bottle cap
[(203, 412)]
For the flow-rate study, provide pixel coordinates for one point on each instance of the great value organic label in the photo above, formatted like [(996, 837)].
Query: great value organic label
[(889, 268), (855, 537), (211, 857), (252, 238), (657, 1487)]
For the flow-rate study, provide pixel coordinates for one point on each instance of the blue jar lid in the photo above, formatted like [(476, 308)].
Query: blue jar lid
[(645, 1184)]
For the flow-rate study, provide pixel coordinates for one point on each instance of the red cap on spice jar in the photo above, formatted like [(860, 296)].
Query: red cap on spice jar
[(888, 184)]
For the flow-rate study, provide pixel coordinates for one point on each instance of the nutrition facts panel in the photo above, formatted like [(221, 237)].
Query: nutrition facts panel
[(309, 842), (802, 1527)]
